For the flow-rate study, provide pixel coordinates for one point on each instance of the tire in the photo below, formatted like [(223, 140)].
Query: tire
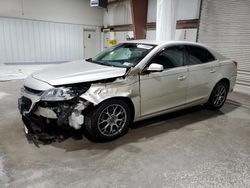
[(217, 97), (107, 121)]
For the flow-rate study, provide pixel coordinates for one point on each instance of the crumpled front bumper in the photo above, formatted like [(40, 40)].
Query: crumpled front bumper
[(36, 130), (43, 121)]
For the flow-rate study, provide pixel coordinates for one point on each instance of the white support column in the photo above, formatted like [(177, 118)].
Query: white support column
[(166, 19)]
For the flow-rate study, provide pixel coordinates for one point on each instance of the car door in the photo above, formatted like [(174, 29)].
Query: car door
[(166, 89), (202, 67)]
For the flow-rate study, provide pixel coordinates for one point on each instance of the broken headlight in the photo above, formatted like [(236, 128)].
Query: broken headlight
[(58, 94)]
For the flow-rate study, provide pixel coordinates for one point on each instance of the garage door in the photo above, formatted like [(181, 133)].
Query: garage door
[(225, 26)]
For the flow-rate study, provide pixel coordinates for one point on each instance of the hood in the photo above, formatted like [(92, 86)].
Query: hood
[(76, 72)]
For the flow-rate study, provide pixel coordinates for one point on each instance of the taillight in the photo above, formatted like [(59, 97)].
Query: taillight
[(235, 63)]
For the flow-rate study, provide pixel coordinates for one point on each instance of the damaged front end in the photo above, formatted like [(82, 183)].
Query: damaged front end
[(51, 114), (47, 114)]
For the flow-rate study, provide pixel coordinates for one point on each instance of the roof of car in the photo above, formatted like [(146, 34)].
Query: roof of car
[(155, 42)]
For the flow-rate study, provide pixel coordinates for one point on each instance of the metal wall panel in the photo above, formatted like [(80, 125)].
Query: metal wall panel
[(225, 26), (29, 41)]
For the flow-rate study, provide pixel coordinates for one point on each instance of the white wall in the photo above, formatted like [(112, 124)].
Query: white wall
[(187, 9), (27, 41), (66, 11), (118, 14), (46, 31)]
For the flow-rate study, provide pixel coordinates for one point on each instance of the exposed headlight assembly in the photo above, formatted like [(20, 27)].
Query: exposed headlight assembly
[(58, 94)]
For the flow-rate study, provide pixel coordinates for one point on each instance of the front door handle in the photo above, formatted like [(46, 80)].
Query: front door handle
[(182, 78), (212, 70)]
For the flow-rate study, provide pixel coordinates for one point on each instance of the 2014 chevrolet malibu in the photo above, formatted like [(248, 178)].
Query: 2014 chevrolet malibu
[(127, 83)]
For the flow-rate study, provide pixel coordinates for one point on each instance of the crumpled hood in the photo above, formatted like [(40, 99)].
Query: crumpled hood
[(76, 72)]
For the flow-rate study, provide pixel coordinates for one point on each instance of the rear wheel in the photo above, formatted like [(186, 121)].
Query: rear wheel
[(108, 121), (218, 96)]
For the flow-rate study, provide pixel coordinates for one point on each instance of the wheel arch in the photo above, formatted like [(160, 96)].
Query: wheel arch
[(226, 81)]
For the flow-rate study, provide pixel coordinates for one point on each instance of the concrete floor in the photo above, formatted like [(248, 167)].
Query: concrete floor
[(191, 148)]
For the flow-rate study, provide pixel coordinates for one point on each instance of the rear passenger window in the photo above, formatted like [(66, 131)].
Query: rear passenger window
[(198, 55)]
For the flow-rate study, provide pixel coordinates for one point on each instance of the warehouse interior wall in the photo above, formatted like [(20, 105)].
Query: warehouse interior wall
[(46, 31), (185, 10), (52, 30), (120, 14), (30, 41)]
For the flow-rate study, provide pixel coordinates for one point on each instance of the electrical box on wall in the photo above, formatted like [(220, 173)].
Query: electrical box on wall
[(99, 3)]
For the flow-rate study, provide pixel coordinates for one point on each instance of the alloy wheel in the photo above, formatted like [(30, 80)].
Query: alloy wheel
[(220, 95), (112, 120)]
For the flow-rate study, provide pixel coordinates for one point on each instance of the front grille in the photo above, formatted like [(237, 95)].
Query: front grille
[(26, 103), (33, 91)]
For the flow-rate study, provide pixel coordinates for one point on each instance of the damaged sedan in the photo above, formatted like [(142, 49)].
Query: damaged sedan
[(132, 81)]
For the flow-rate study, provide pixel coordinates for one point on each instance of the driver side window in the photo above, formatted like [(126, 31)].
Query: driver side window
[(170, 57)]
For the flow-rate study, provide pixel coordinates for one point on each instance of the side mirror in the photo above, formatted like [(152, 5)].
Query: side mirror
[(154, 67)]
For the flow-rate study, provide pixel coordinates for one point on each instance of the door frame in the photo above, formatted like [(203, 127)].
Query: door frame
[(84, 42)]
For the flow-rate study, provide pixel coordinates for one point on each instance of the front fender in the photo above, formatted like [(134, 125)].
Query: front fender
[(98, 93), (123, 87)]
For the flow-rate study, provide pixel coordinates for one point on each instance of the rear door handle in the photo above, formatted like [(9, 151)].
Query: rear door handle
[(182, 78), (212, 71)]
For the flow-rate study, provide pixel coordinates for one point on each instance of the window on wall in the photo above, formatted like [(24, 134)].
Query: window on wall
[(170, 58), (198, 55)]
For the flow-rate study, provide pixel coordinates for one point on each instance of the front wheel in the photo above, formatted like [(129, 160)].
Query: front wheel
[(217, 97), (108, 121)]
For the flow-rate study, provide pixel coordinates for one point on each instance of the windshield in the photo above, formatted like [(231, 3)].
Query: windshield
[(123, 55)]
